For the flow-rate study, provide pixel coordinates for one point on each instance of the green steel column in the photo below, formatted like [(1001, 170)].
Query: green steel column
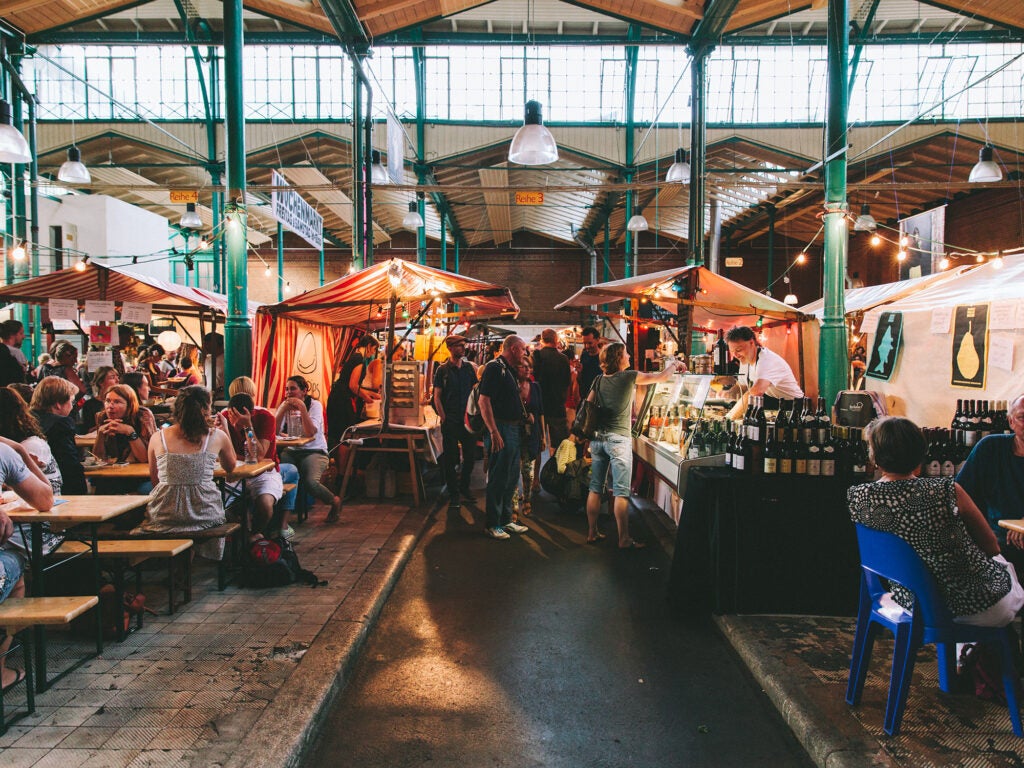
[(321, 262), (420, 69), (628, 272), (216, 177), (358, 252), (20, 268), (832, 351), (606, 276), (632, 53), (217, 206), (698, 149), (280, 261), (237, 331), (31, 346), (457, 257), (771, 245), (444, 242)]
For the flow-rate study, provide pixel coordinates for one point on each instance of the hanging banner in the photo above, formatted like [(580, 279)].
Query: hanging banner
[(63, 309), (396, 150), (885, 348), (137, 312), (970, 346), (289, 208)]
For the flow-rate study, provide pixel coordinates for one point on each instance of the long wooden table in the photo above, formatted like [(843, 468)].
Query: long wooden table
[(73, 511)]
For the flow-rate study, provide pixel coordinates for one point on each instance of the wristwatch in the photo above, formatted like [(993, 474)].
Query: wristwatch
[(133, 436)]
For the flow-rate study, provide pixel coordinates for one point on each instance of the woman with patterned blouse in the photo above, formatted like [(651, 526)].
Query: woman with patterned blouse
[(938, 519)]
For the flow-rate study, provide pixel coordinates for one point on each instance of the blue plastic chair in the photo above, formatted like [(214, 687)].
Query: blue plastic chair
[(887, 556)]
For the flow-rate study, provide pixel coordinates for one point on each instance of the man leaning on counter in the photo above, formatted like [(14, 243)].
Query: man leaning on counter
[(762, 372)]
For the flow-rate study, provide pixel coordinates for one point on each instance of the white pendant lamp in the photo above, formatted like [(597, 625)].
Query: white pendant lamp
[(13, 147), (865, 222), (679, 171), (637, 223), (412, 220), (533, 144), (790, 299), (986, 168), (74, 171), (378, 173), (190, 219)]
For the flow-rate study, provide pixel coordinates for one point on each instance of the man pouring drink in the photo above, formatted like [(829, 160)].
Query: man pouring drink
[(762, 372)]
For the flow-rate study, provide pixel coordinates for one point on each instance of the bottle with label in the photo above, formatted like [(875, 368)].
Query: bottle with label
[(971, 425), (251, 450), (800, 459), (738, 455), (949, 455), (958, 417), (771, 454), (858, 456), (933, 458), (828, 457), (823, 420), (814, 457), (728, 444), (782, 423), (986, 422), (721, 355), (809, 422)]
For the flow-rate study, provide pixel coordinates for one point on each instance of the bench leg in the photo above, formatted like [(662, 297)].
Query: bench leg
[(410, 443), (222, 568), (187, 554), (354, 449), (171, 587), (138, 591)]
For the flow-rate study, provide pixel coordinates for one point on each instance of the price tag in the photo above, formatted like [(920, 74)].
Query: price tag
[(99, 310), (63, 309)]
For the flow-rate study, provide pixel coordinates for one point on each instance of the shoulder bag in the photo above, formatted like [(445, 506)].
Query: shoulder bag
[(591, 415)]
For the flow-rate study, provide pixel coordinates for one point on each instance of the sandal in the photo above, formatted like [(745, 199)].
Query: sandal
[(527, 509), (597, 537), (19, 676), (634, 544)]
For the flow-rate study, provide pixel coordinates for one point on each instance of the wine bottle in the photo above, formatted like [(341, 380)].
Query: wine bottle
[(986, 423), (762, 421), (948, 456), (971, 424), (814, 457), (823, 420), (799, 458), (785, 464), (933, 459), (858, 455), (962, 452), (782, 423), (754, 425), (737, 450), (721, 355), (958, 416), (828, 457), (809, 422), (771, 454)]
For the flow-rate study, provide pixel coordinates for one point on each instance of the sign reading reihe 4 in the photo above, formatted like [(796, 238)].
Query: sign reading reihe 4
[(529, 198), (179, 196), (288, 207)]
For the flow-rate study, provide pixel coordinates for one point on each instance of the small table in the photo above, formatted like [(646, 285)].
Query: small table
[(86, 441), (293, 442), (76, 510), (285, 442), (1013, 525), (416, 439)]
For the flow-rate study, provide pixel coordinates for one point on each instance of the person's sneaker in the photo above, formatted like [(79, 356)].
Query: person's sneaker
[(497, 533), (288, 532), (516, 528)]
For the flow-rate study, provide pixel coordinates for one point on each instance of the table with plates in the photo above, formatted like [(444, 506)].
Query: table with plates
[(68, 513)]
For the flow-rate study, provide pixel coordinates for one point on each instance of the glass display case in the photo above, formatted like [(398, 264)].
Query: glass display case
[(681, 423)]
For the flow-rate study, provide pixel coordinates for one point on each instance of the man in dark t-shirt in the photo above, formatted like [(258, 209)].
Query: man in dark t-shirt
[(590, 361), (551, 369), (502, 410), (453, 381)]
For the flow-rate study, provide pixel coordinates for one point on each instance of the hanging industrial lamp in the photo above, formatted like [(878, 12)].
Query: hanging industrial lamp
[(73, 171), (533, 144), (412, 220), (865, 222), (986, 168), (190, 219), (378, 173), (637, 223), (679, 171), (13, 147)]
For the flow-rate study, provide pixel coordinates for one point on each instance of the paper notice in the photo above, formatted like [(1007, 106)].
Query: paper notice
[(95, 359), (1000, 352), (63, 309), (1020, 316), (99, 310), (870, 322), (941, 318), (136, 312), (1002, 316)]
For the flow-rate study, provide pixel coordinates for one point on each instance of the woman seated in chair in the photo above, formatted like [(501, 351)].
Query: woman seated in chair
[(311, 459), (938, 519)]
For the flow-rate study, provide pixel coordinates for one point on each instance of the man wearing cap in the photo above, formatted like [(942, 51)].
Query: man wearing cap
[(453, 381)]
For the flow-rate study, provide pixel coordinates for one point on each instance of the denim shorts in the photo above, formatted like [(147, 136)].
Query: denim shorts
[(609, 450), (11, 568)]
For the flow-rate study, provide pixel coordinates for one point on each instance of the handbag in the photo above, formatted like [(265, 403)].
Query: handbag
[(591, 415)]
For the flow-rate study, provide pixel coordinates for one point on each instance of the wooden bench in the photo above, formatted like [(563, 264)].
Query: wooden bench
[(226, 531), (129, 553), (18, 613)]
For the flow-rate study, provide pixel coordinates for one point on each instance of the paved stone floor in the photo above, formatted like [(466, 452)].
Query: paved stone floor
[(194, 688)]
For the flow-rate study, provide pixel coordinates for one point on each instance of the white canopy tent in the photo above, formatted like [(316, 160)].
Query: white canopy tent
[(862, 299)]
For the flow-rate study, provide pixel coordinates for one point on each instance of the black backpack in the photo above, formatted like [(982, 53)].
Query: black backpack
[(280, 573)]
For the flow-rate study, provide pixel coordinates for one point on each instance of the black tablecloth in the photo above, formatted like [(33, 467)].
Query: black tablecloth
[(764, 544)]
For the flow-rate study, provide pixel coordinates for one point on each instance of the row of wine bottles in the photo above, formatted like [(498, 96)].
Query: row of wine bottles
[(797, 421), (947, 452), (842, 453), (975, 419)]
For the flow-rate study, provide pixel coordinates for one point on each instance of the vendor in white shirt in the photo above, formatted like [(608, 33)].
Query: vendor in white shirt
[(762, 372)]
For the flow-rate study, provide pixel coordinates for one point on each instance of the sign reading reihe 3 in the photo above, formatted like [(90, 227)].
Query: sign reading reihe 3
[(288, 207)]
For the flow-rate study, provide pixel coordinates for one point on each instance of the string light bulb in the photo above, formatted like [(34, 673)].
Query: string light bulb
[(875, 241), (980, 259), (18, 252), (901, 255), (266, 272), (80, 266), (944, 264), (904, 241), (997, 262), (801, 257)]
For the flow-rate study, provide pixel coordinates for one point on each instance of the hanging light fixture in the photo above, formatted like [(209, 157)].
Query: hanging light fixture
[(73, 171), (412, 220), (637, 223), (13, 147), (679, 171), (378, 173), (865, 222), (190, 219), (790, 299), (18, 252), (533, 144), (395, 271), (986, 168)]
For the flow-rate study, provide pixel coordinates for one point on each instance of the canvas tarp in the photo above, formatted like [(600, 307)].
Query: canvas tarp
[(312, 333), (718, 303), (863, 299), (921, 383)]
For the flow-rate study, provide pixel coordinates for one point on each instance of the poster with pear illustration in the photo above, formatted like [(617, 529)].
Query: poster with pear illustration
[(970, 346)]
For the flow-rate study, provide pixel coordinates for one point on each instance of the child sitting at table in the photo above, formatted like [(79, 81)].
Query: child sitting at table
[(181, 462)]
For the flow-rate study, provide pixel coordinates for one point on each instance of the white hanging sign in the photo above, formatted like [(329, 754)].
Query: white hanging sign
[(1002, 316), (99, 310), (870, 322), (96, 359), (941, 318), (63, 309), (288, 207), (138, 312), (1000, 352)]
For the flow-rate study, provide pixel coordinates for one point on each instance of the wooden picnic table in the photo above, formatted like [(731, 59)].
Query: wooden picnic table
[(87, 440), (139, 471), (293, 442)]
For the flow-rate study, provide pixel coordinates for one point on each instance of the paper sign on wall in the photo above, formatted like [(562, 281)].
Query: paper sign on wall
[(95, 359), (1020, 315), (1000, 352), (1003, 316), (136, 312), (941, 318), (870, 322), (970, 346), (63, 309), (99, 310), (885, 348)]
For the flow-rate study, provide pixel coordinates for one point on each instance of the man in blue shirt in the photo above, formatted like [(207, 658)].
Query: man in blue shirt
[(993, 477)]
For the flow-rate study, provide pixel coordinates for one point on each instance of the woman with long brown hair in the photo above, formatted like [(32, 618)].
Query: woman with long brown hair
[(124, 428)]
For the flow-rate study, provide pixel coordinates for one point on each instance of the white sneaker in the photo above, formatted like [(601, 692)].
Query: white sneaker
[(497, 533), (516, 528), (288, 532)]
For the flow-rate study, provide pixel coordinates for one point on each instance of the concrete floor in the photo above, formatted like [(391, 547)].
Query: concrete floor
[(544, 650)]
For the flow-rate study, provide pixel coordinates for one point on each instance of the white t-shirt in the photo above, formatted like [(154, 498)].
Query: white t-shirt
[(316, 415), (776, 370), (39, 449)]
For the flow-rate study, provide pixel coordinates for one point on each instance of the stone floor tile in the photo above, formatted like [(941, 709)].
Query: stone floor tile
[(160, 757), (155, 698), (87, 737), (111, 758), (70, 715), (43, 736), (91, 698), (111, 717), (22, 758), (131, 737), (152, 718), (175, 738), (64, 758)]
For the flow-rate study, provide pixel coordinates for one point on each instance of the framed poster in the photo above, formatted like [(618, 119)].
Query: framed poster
[(885, 348), (970, 346), (926, 235)]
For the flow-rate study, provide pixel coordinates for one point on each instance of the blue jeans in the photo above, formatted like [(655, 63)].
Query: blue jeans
[(11, 568), (289, 474), (503, 477), (609, 450)]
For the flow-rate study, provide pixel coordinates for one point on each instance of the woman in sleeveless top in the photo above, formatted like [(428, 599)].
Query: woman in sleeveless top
[(181, 462)]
